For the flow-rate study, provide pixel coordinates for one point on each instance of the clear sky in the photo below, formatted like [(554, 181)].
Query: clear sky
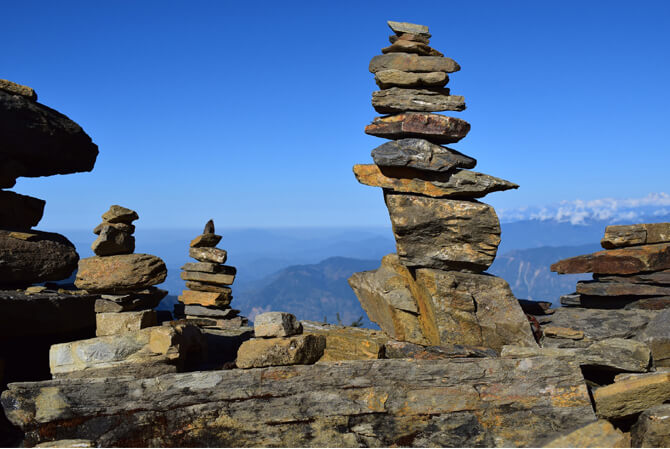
[(253, 112)]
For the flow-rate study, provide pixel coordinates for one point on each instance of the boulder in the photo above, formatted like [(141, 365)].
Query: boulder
[(113, 323), (20, 211), (208, 240), (225, 277), (39, 141), (462, 184), (120, 274), (443, 233), (119, 214), (144, 299), (432, 127), (631, 260), (397, 100), (214, 255), (407, 62), (347, 343), (489, 402), (213, 299), (396, 78), (276, 324), (18, 89), (631, 395), (633, 235), (35, 256), (420, 154), (406, 46), (597, 434), (652, 428), (401, 28), (296, 350), (111, 242)]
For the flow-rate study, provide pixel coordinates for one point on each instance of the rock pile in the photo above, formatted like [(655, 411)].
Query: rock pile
[(434, 291), (207, 300)]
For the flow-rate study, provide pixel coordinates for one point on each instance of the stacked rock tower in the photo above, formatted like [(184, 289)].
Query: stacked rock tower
[(207, 300), (434, 290)]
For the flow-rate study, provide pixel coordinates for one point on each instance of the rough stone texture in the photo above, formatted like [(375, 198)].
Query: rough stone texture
[(409, 28), (209, 227), (295, 350), (218, 323), (124, 322), (659, 277), (652, 428), (638, 234), (407, 62), (213, 299), (657, 336), (20, 211), (462, 184), (226, 277), (123, 227), (214, 255), (195, 310), (119, 214), (409, 37), (112, 241), (208, 267), (615, 354), (18, 89), (536, 307), (631, 260), (39, 141), (205, 241), (599, 288), (348, 343), (276, 324), (433, 127), (405, 350), (443, 233), (68, 443), (144, 299), (563, 332), (420, 154), (632, 395), (442, 403), (598, 434), (397, 100), (406, 46), (35, 257), (205, 287), (396, 78), (120, 274)]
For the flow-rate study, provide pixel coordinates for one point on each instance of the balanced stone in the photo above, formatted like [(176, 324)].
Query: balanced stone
[(348, 343), (598, 288), (395, 78), (122, 227), (207, 287), (405, 46), (421, 155), (408, 62), (120, 214), (207, 267), (276, 324), (405, 27), (18, 89), (632, 235), (20, 211), (119, 323), (197, 310), (397, 100), (433, 127), (296, 350), (144, 299), (121, 273), (226, 277), (213, 299), (409, 37), (443, 233), (459, 184), (631, 260), (214, 255), (209, 227), (658, 277), (216, 323), (205, 241), (112, 241)]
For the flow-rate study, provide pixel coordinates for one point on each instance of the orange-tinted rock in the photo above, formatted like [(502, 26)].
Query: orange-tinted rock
[(206, 298), (408, 62), (632, 395), (224, 278), (407, 46), (121, 273), (409, 37), (631, 260), (432, 127)]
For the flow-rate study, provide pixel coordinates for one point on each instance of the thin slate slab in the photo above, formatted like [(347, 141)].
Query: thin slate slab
[(636, 259), (408, 62), (432, 127), (598, 288), (396, 78), (620, 236), (397, 100), (405, 46), (420, 154), (405, 27)]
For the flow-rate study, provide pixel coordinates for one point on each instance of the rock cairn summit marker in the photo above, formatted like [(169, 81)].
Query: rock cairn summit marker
[(207, 300), (433, 291)]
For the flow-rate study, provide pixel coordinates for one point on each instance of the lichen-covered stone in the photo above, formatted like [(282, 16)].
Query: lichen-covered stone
[(213, 299), (213, 255)]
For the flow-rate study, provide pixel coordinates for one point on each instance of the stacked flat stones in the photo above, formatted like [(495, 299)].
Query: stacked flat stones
[(443, 234), (207, 300), (124, 281)]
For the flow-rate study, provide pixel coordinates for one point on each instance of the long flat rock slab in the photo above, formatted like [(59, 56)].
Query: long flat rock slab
[(435, 128), (636, 259), (408, 62), (448, 403), (639, 234), (420, 154), (397, 100), (621, 289)]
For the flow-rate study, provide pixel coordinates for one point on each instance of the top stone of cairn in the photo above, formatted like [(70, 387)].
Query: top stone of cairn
[(120, 214), (409, 28)]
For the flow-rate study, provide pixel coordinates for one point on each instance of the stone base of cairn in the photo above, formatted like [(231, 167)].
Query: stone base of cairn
[(206, 303), (433, 291)]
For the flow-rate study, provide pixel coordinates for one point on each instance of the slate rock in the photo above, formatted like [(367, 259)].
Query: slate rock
[(206, 267), (213, 255), (276, 324), (657, 335), (563, 332), (409, 37), (120, 214), (111, 241), (632, 235), (205, 241), (295, 350), (654, 303), (636, 259), (658, 277), (536, 307), (459, 184), (115, 323), (144, 299), (347, 343), (216, 323), (443, 233), (121, 273), (209, 227), (206, 287), (225, 277), (213, 299), (397, 100), (386, 79), (405, 27), (600, 288), (597, 434), (20, 211), (405, 350), (432, 127), (407, 62), (196, 310), (35, 257), (420, 154), (652, 428), (632, 395), (406, 46), (18, 89), (122, 227)]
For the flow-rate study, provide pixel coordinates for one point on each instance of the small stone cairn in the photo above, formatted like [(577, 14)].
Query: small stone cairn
[(207, 300), (433, 291)]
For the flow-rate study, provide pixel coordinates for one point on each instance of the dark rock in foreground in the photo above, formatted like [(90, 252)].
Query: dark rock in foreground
[(20, 211), (461, 402)]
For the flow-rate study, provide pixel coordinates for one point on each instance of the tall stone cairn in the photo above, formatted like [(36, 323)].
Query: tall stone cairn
[(208, 296), (433, 291)]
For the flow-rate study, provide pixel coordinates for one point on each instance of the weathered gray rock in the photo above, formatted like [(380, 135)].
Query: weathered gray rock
[(633, 260), (407, 46), (144, 299), (120, 274), (632, 395), (657, 335), (396, 78), (658, 277), (18, 89), (39, 141), (294, 350), (111, 242), (433, 127), (216, 323), (119, 214), (35, 256), (420, 154), (214, 255), (407, 62), (276, 324), (19, 211), (408, 28), (397, 100), (404, 350), (225, 277), (652, 428), (600, 288), (123, 227), (443, 233), (207, 287), (207, 267), (440, 403), (633, 235), (115, 323), (195, 310)]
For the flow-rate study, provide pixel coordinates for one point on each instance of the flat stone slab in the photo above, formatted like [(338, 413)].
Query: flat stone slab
[(294, 350), (196, 310), (460, 184), (406, 46), (599, 288), (348, 343), (119, 214), (598, 434), (276, 324), (115, 323), (632, 395), (407, 62), (398, 100), (658, 277), (213, 255), (636, 259), (396, 78), (501, 403), (632, 235), (410, 28), (225, 277), (121, 273), (212, 299), (420, 154), (144, 299), (432, 127)]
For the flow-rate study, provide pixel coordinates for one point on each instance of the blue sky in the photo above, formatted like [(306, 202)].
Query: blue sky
[(253, 112)]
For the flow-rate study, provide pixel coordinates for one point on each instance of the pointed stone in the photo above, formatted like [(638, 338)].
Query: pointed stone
[(209, 227), (408, 62), (397, 100), (421, 155), (20, 211), (432, 127), (395, 78)]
